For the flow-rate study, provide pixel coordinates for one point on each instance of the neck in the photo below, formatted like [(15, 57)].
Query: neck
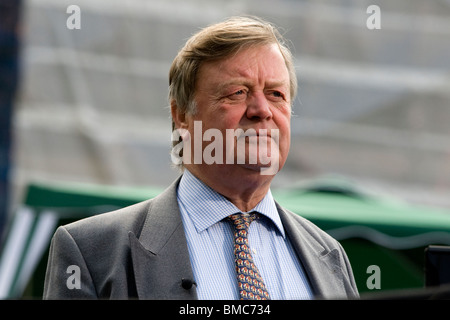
[(245, 191)]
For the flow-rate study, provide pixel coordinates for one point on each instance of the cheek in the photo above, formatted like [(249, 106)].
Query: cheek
[(283, 120), (221, 116), (226, 120), (285, 135)]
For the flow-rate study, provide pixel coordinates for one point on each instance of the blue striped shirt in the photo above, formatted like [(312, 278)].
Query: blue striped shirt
[(210, 244)]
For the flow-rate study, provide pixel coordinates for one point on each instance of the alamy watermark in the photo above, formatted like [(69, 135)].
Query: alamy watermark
[(374, 20), (374, 280), (237, 146), (74, 280), (73, 22)]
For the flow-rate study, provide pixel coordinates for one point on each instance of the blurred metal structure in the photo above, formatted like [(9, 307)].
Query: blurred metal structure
[(9, 78), (373, 105)]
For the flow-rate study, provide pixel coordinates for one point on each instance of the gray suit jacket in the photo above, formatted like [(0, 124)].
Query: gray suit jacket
[(141, 252)]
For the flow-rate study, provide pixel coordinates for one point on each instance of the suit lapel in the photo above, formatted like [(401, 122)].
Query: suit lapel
[(320, 264), (161, 258), (160, 255)]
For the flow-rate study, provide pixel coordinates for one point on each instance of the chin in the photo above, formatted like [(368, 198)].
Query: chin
[(260, 170)]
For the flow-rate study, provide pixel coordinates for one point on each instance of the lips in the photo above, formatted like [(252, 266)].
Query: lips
[(260, 133)]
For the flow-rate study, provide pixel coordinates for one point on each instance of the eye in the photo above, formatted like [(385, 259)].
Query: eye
[(276, 94), (238, 95)]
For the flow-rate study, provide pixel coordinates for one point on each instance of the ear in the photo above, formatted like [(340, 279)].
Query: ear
[(179, 120)]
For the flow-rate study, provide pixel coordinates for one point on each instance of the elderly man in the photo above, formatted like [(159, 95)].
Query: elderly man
[(216, 232)]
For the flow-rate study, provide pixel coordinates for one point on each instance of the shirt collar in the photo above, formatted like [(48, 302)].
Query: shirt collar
[(206, 206)]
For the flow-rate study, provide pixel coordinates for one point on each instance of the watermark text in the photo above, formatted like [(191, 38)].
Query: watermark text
[(236, 146)]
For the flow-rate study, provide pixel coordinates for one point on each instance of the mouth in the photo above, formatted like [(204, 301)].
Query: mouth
[(260, 133)]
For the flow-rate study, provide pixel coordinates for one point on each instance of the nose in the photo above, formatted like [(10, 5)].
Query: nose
[(258, 108)]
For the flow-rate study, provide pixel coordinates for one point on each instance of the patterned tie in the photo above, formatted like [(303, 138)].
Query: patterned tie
[(251, 285)]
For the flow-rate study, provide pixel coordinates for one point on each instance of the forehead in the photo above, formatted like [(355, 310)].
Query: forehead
[(258, 63)]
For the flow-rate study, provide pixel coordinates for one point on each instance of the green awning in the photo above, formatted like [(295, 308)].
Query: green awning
[(373, 230)]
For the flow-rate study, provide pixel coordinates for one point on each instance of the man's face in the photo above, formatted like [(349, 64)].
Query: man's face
[(248, 91)]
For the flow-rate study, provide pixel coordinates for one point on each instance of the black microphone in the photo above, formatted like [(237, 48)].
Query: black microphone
[(187, 283)]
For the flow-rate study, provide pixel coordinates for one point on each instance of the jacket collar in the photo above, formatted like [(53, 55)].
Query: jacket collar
[(321, 264), (160, 254)]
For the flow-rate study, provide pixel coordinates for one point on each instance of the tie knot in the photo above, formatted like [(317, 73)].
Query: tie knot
[(242, 220)]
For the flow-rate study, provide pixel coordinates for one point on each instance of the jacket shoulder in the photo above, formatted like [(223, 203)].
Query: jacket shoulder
[(99, 246), (126, 219)]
